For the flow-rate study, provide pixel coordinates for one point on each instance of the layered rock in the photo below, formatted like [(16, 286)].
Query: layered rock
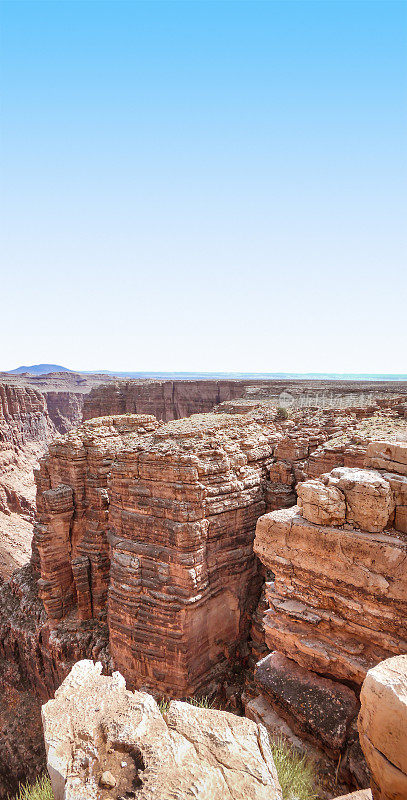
[(167, 400), (154, 524), (33, 662), (104, 741), (174, 399), (337, 603), (29, 419), (382, 727)]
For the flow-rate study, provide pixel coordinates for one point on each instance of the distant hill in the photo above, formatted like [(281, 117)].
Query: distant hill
[(39, 369)]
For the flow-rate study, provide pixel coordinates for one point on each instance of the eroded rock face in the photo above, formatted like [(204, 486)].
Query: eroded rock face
[(322, 706), (153, 524), (33, 662), (104, 741), (337, 604), (382, 727), (323, 505), (369, 497), (166, 400), (29, 419)]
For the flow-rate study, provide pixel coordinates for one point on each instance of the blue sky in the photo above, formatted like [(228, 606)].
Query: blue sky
[(204, 186)]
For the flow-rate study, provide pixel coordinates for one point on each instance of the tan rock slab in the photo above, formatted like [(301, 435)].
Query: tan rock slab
[(94, 725), (320, 504), (369, 498)]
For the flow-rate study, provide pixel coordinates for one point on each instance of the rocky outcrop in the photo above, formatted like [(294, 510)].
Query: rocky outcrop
[(33, 662), (337, 602), (104, 741), (29, 419), (166, 400), (153, 524), (382, 727), (174, 399)]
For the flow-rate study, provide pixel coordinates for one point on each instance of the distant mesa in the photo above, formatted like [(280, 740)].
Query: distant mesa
[(39, 369)]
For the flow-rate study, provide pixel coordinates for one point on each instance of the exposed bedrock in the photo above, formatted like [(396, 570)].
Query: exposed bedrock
[(29, 419), (166, 400), (33, 662), (152, 525), (337, 602), (174, 399), (105, 741), (382, 727)]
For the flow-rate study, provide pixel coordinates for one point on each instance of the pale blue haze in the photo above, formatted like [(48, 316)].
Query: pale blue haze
[(204, 186)]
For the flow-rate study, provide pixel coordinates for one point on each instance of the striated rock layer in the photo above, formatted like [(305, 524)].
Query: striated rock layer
[(337, 604), (29, 419), (104, 741), (153, 525)]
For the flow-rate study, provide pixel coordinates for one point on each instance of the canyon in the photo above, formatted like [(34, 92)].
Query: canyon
[(159, 548)]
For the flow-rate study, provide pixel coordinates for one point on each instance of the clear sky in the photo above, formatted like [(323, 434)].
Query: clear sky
[(204, 186)]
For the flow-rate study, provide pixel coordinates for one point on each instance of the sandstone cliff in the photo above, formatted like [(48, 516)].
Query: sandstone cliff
[(160, 519), (337, 602), (29, 419)]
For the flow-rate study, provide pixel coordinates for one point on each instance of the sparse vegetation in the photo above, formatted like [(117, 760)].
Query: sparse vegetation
[(200, 702), (295, 772), (40, 790), (282, 413)]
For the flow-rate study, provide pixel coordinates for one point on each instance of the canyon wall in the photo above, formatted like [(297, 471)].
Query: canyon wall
[(29, 420), (336, 601), (143, 558), (153, 524), (175, 399)]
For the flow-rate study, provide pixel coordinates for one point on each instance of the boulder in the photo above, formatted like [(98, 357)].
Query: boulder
[(323, 505), (369, 498), (382, 727), (97, 733)]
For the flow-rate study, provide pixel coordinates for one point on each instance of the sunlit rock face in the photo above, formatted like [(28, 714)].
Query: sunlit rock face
[(337, 603), (382, 727), (105, 741), (152, 526)]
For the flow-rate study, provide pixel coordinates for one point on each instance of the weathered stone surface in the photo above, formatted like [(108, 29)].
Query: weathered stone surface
[(33, 662), (94, 726), (369, 498), (390, 456), (154, 523), (338, 603), (316, 707), (383, 727), (29, 419), (324, 505), (166, 400)]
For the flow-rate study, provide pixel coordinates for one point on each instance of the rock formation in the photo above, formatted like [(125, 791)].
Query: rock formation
[(143, 559), (154, 524), (33, 412), (382, 727), (174, 399), (105, 741), (337, 602)]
